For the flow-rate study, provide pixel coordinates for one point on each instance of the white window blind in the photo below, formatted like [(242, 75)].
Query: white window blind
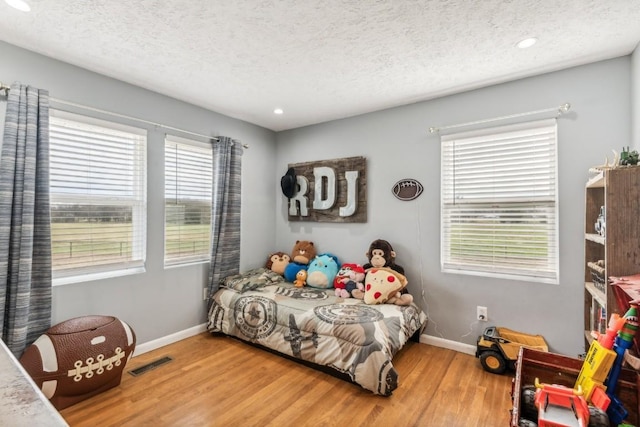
[(187, 189), (499, 202), (98, 196)]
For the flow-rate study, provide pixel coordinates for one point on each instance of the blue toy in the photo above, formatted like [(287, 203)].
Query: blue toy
[(292, 269), (322, 271)]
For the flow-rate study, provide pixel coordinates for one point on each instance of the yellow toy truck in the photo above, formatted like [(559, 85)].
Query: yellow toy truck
[(497, 348)]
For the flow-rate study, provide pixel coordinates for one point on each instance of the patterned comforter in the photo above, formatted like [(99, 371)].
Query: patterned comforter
[(316, 326)]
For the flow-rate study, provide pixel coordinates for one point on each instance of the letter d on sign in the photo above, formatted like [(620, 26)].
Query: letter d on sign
[(319, 174)]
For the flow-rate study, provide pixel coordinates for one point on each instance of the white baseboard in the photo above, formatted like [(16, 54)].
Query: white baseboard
[(169, 339), (180, 335), (451, 345)]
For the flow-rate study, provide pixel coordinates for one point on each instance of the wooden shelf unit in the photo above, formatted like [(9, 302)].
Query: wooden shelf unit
[(618, 191)]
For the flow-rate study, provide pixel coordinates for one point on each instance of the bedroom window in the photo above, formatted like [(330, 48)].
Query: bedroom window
[(499, 202), (187, 201), (98, 197)]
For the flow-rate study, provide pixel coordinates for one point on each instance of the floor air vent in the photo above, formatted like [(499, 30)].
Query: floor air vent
[(149, 366)]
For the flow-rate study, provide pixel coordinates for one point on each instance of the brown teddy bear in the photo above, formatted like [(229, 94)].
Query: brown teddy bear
[(303, 252)]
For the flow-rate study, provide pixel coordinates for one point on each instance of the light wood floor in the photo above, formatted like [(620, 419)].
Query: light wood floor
[(219, 381)]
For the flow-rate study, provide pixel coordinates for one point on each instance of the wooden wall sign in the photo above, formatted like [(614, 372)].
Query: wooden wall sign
[(330, 191)]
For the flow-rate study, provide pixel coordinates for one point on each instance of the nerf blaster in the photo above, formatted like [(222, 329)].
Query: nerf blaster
[(616, 411), (598, 362)]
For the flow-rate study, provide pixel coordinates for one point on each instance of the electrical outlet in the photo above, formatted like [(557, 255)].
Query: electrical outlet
[(205, 294), (481, 313)]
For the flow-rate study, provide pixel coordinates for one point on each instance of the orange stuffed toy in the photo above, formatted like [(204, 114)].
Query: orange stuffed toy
[(301, 279)]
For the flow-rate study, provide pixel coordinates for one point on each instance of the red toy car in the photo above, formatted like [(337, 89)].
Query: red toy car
[(560, 406)]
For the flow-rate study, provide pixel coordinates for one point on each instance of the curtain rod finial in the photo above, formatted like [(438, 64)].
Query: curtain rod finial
[(433, 129), (564, 108)]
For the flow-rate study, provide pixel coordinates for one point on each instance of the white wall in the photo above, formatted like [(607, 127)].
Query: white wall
[(397, 144), (158, 302)]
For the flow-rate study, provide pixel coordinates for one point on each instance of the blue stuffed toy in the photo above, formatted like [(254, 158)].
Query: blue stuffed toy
[(292, 269), (322, 270)]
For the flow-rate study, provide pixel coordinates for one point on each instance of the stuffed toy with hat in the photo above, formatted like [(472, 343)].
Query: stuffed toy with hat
[(322, 270), (350, 278), (303, 252), (277, 262), (384, 285)]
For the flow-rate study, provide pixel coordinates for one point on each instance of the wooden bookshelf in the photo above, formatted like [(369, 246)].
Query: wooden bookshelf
[(617, 192)]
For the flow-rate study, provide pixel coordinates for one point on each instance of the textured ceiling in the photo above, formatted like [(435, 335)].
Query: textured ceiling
[(320, 60)]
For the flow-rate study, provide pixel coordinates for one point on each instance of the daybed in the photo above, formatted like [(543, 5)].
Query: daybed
[(314, 325)]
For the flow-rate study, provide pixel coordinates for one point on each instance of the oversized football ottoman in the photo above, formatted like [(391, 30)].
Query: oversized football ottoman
[(79, 358)]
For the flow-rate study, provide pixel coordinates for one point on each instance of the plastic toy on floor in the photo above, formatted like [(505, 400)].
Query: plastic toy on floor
[(554, 405), (497, 348)]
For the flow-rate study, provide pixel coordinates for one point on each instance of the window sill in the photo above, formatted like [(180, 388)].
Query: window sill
[(185, 264), (60, 281), (547, 280)]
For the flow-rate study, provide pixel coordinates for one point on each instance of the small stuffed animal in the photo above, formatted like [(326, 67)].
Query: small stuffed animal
[(383, 285), (322, 271), (301, 279), (303, 252), (277, 262), (350, 278), (381, 254)]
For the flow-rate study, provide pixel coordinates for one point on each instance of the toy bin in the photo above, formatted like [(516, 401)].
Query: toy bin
[(79, 358), (554, 368)]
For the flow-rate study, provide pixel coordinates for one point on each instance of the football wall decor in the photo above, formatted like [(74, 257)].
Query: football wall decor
[(407, 189)]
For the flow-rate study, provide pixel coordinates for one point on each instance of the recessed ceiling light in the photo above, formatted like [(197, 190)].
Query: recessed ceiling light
[(278, 111), (523, 44), (19, 4)]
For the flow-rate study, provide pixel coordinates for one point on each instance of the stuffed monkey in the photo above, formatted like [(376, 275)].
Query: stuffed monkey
[(381, 254), (401, 298), (277, 262)]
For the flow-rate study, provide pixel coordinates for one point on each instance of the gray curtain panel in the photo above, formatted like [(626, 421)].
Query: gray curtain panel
[(225, 211), (25, 229)]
